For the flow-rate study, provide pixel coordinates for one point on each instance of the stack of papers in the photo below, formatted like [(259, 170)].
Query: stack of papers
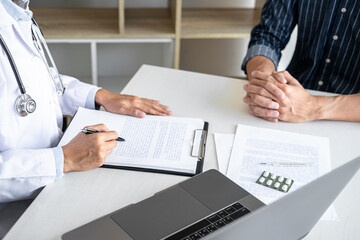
[(242, 158)]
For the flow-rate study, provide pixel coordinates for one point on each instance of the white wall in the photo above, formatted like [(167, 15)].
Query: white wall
[(214, 56)]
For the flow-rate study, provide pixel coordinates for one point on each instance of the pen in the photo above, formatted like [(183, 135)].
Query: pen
[(288, 164), (91, 131)]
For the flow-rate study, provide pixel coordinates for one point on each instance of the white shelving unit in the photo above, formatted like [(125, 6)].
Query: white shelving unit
[(107, 45), (109, 63), (115, 54)]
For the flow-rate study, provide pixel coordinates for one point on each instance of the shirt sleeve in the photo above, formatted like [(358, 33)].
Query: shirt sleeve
[(273, 32), (59, 161), (77, 94), (20, 179)]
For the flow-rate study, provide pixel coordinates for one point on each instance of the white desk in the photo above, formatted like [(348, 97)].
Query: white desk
[(81, 197)]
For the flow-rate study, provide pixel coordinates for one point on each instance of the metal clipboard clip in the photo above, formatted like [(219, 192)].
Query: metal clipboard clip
[(199, 143)]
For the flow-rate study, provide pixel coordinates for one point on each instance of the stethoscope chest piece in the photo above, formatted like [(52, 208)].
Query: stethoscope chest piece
[(25, 105)]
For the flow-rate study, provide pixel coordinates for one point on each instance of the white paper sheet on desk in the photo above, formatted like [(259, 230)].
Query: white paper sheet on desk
[(224, 145), (154, 142)]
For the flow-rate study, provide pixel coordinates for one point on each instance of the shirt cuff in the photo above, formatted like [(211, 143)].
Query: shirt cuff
[(59, 162), (90, 99), (261, 50)]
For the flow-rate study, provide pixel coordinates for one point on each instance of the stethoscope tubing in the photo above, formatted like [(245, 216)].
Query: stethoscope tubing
[(36, 24), (13, 66), (42, 47)]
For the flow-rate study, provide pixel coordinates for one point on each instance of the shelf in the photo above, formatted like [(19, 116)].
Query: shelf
[(78, 23), (148, 23), (218, 23), (102, 23)]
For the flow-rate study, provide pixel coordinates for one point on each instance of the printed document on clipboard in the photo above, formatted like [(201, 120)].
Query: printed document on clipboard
[(159, 144)]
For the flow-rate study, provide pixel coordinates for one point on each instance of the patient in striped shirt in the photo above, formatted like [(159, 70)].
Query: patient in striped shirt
[(326, 58)]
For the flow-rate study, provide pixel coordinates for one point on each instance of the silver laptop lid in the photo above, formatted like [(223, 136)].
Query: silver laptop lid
[(293, 216)]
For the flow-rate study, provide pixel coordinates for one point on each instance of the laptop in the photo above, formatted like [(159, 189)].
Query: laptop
[(211, 206)]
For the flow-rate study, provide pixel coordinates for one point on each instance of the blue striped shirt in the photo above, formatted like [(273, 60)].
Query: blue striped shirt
[(327, 53)]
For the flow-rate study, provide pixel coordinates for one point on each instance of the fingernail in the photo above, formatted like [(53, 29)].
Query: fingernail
[(275, 106), (253, 73), (282, 78), (141, 115), (282, 95), (245, 87), (244, 100), (275, 114)]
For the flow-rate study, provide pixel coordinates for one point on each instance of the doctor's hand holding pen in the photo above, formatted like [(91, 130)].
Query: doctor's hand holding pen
[(87, 151), (129, 105)]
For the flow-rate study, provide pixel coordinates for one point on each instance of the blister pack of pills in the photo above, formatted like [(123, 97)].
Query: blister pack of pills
[(274, 181)]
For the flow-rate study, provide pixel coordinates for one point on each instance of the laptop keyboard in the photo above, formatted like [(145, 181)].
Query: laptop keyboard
[(211, 223)]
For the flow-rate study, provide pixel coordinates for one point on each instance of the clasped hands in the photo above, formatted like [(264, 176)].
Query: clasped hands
[(279, 96)]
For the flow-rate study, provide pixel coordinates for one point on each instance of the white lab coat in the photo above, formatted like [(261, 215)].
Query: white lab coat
[(27, 161)]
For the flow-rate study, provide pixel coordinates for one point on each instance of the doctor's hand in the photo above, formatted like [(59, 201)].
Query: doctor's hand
[(297, 105), (87, 151), (129, 105)]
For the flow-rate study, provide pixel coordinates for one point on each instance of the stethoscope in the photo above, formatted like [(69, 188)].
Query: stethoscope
[(24, 104)]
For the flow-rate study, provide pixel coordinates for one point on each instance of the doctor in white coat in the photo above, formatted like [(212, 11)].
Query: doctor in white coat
[(29, 156)]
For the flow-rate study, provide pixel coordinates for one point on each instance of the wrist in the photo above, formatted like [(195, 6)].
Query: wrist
[(67, 160), (100, 97), (324, 107), (333, 108), (316, 111), (260, 63)]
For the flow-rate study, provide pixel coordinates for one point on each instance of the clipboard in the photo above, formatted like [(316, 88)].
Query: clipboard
[(172, 145), (198, 151)]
